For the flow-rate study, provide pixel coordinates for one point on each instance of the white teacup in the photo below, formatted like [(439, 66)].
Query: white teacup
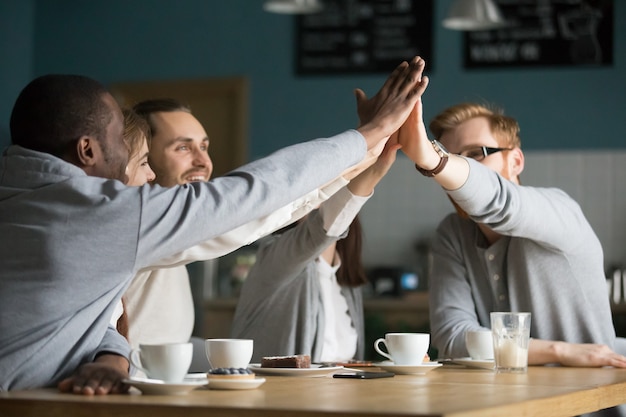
[(479, 344), (168, 362), (404, 348), (229, 353)]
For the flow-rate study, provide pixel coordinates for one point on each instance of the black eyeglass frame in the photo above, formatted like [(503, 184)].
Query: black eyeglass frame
[(486, 150)]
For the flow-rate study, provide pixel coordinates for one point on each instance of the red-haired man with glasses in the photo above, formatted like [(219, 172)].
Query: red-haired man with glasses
[(509, 247)]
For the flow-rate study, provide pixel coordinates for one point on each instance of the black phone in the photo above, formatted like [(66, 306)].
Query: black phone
[(362, 374)]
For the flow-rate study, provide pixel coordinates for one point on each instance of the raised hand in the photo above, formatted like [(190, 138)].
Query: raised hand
[(412, 134), (366, 181), (384, 113)]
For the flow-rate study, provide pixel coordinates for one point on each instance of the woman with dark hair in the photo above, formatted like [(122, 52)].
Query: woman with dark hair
[(303, 295)]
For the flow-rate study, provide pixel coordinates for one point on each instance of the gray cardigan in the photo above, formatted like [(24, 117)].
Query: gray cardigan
[(70, 243), (280, 305)]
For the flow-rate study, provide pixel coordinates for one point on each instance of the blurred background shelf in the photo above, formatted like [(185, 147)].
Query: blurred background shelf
[(382, 315)]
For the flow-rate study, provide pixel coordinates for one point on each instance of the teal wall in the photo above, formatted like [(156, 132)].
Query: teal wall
[(16, 56), (126, 40)]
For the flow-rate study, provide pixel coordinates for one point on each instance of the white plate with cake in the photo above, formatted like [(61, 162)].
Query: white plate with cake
[(291, 365), (314, 370)]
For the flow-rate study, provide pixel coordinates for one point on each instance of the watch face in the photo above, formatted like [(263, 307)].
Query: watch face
[(437, 144)]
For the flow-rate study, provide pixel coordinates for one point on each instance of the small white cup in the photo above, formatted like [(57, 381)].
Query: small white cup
[(229, 353), (479, 344), (168, 362), (404, 348)]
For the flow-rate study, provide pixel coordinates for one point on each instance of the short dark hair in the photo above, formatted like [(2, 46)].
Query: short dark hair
[(55, 110), (147, 108)]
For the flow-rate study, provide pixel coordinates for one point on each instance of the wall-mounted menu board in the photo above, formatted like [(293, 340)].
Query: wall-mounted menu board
[(545, 33), (363, 36)]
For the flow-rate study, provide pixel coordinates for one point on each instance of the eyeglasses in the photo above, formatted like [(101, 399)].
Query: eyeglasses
[(482, 152)]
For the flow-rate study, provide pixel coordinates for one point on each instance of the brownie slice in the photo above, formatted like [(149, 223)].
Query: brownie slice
[(292, 361)]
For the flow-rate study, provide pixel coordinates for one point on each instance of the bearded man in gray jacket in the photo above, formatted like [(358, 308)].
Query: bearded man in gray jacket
[(72, 235)]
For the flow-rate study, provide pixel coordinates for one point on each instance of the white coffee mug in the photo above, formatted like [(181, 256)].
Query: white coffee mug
[(229, 353), (168, 362), (404, 348), (479, 344)]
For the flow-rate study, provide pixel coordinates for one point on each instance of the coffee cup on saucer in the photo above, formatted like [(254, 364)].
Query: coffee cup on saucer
[(404, 348), (168, 362), (479, 344)]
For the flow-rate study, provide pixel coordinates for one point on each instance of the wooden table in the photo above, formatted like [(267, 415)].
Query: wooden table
[(445, 391)]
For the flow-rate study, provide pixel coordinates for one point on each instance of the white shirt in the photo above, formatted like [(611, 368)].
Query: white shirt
[(340, 336)]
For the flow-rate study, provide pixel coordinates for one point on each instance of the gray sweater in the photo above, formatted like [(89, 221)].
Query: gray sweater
[(70, 243), (549, 263), (280, 305)]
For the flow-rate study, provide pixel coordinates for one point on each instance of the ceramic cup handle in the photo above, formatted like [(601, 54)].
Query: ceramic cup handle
[(136, 360), (385, 354)]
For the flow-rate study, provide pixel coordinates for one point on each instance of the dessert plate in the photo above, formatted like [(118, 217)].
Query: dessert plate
[(225, 383), (408, 369), (475, 363), (314, 370), (195, 376), (158, 387)]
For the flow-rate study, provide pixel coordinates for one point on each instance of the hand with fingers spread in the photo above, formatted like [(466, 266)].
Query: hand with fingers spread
[(100, 377), (383, 114)]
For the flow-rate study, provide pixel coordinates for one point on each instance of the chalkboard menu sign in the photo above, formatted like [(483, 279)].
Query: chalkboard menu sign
[(363, 36), (545, 33)]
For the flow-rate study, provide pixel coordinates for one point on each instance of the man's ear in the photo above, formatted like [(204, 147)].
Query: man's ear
[(516, 162), (87, 151)]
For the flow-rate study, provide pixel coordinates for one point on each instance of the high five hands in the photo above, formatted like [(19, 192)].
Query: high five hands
[(384, 113)]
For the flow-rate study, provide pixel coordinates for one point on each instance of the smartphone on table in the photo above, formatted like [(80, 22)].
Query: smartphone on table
[(362, 374)]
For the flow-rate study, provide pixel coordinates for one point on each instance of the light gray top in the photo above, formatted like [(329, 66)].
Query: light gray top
[(70, 243), (280, 306)]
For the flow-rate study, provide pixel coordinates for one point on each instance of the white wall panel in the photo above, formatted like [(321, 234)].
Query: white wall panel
[(407, 207)]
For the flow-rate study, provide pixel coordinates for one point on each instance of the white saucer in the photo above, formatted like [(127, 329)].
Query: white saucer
[(475, 363), (224, 383), (158, 387), (408, 369), (314, 370)]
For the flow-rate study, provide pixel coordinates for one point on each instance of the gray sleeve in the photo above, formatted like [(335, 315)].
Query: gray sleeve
[(452, 310), (548, 216), (177, 218), (287, 255), (113, 342)]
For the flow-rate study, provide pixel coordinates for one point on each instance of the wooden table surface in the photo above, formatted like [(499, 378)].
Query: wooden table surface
[(445, 391)]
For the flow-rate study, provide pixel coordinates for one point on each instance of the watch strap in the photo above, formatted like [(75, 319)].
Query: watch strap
[(443, 155), (432, 172)]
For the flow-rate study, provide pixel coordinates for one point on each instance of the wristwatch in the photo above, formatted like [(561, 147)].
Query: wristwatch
[(443, 154)]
